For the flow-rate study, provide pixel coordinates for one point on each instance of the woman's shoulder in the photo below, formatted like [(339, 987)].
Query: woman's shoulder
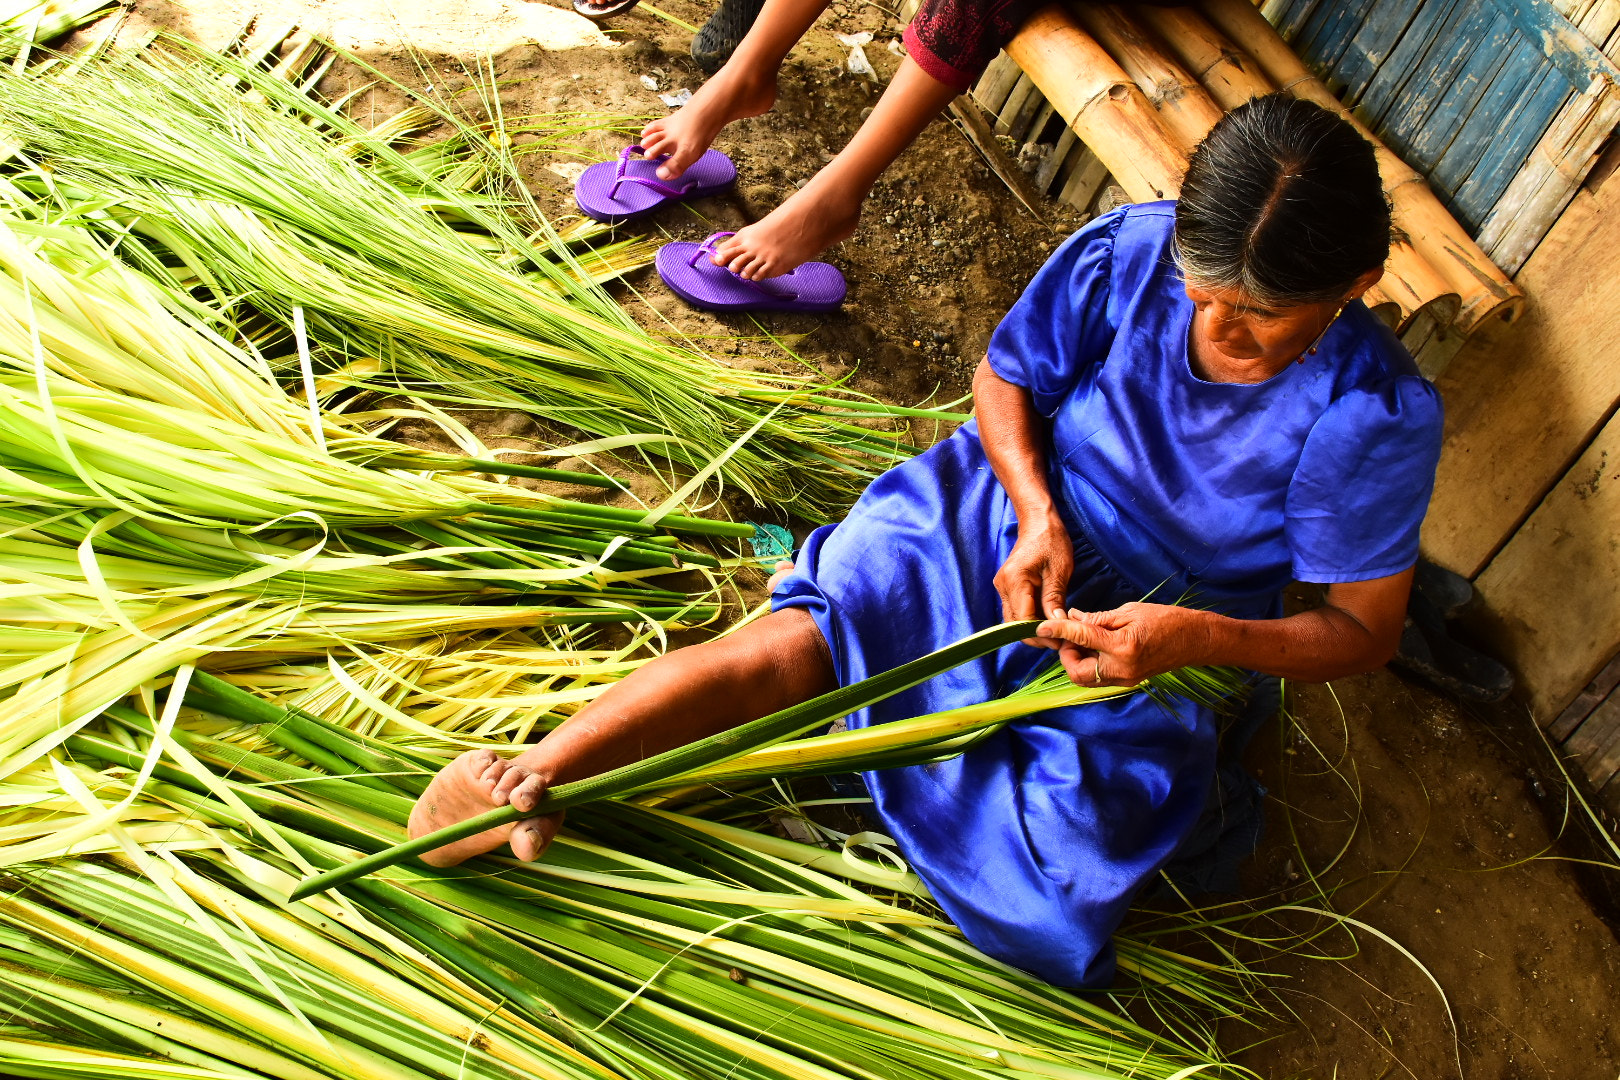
[(1367, 357), (1142, 236), (1377, 384)]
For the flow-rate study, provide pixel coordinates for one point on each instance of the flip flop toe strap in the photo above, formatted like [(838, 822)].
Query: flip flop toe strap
[(707, 248), (659, 186)]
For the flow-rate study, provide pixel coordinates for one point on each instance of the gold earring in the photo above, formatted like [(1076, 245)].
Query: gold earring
[(1312, 350)]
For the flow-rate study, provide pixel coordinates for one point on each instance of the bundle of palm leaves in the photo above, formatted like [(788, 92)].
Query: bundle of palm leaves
[(268, 197)]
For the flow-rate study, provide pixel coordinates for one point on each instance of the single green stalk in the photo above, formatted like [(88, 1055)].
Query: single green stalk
[(535, 472), (727, 744), (672, 522)]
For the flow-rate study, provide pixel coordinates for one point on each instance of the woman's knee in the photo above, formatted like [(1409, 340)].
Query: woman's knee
[(782, 655)]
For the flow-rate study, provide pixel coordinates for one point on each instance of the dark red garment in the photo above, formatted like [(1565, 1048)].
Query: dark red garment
[(955, 40)]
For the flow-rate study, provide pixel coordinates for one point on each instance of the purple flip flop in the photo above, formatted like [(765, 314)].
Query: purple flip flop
[(615, 191), (686, 269), (605, 10)]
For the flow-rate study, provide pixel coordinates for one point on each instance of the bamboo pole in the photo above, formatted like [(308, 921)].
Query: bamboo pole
[(1100, 102), (1382, 307), (1554, 172), (1416, 286), (1484, 292), (1230, 76), (1184, 108)]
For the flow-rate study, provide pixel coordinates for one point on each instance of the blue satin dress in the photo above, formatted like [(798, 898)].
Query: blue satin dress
[(1035, 841)]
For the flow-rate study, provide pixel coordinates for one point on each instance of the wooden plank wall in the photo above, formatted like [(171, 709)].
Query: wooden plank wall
[(1554, 591), (1588, 732), (1523, 401), (1525, 501)]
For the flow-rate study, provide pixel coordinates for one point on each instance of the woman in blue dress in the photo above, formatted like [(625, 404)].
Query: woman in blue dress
[(1188, 400)]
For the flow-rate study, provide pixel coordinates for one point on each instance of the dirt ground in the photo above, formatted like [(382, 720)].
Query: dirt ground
[(1432, 825), (1447, 818)]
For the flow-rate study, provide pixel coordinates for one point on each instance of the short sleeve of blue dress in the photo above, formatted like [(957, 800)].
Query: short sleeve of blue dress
[(1062, 324), (1363, 483)]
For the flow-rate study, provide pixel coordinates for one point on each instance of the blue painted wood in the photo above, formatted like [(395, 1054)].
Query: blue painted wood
[(1452, 48), (1371, 43), (1406, 69), (1295, 17), (1494, 118), (1459, 88), (1336, 29), (1521, 131), (1569, 50)]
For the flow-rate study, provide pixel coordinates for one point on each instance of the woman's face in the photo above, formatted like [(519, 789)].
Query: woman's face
[(1238, 328), (1243, 330)]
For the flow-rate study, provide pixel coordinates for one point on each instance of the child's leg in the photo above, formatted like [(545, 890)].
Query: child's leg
[(827, 209), (746, 86)]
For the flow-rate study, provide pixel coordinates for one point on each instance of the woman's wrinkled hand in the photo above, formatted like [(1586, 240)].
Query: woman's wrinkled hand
[(1129, 644), (1035, 578)]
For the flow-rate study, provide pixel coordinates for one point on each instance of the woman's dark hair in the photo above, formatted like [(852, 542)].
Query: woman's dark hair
[(1282, 200)]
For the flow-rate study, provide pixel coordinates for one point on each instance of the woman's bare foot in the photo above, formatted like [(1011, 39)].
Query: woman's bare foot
[(812, 220), (475, 783), (687, 132)]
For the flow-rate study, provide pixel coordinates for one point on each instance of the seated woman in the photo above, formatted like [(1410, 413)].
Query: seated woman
[(1187, 400)]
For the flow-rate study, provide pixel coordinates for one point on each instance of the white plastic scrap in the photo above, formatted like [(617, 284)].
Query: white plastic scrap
[(568, 170), (649, 82), (858, 63), (677, 99), (896, 47)]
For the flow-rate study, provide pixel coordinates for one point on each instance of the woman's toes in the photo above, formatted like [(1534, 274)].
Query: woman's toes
[(513, 778), (530, 838), (527, 794)]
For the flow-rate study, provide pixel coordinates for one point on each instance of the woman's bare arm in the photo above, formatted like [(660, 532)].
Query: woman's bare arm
[(1035, 578), (1357, 629)]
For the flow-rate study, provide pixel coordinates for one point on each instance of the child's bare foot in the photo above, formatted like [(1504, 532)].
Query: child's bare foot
[(811, 221), (474, 783), (687, 132)]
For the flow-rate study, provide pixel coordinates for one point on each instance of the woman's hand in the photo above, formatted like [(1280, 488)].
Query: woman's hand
[(1131, 643), (1356, 630), (1035, 578)]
